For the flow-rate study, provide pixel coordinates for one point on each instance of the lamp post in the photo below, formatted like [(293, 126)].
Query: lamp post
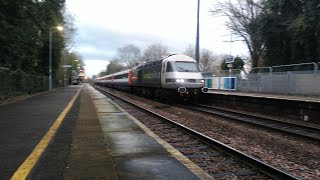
[(59, 28), (197, 38)]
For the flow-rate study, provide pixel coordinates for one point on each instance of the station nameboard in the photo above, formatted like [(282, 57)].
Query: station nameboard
[(229, 59)]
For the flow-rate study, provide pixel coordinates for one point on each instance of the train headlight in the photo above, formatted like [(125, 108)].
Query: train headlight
[(175, 80), (180, 80)]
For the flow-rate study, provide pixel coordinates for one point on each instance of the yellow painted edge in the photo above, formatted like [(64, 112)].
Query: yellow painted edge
[(173, 151), (24, 169)]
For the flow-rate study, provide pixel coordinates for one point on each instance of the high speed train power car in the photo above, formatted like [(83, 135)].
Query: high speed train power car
[(172, 75)]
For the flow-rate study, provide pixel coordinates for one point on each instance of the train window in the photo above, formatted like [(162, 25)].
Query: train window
[(186, 66), (163, 68), (121, 76), (140, 75), (169, 67)]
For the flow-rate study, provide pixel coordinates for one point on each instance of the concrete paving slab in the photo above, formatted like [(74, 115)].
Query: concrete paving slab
[(116, 122), (100, 101), (97, 95), (151, 166), (107, 108), (132, 143)]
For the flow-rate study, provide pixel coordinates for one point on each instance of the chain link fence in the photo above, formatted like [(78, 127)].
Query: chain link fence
[(15, 83), (270, 80)]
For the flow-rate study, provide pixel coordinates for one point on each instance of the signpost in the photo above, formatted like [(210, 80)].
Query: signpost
[(64, 74), (229, 62), (229, 59)]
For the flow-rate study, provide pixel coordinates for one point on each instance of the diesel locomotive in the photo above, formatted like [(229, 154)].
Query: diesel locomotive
[(172, 76)]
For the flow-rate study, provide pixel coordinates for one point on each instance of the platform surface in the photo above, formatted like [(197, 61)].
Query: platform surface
[(137, 152), (313, 99), (96, 139), (25, 122)]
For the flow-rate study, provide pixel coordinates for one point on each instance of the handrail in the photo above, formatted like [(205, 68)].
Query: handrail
[(315, 65)]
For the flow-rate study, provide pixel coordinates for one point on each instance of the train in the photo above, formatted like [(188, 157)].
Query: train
[(174, 76)]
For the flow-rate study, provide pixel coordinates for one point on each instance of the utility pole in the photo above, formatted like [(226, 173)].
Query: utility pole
[(229, 62), (197, 38), (59, 28)]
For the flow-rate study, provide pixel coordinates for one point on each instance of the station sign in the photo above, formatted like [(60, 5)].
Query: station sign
[(229, 59)]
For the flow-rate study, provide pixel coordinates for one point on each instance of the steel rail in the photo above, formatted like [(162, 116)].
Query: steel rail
[(246, 159), (298, 130)]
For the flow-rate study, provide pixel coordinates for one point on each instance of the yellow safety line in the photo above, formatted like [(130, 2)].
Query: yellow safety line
[(24, 169)]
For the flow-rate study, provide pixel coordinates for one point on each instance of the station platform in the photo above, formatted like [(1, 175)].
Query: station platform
[(300, 109), (313, 99), (93, 139)]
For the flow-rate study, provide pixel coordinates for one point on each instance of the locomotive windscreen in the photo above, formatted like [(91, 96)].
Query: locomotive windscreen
[(186, 66)]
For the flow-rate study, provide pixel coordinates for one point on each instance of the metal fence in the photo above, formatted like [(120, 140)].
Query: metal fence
[(298, 82), (286, 83), (14, 83)]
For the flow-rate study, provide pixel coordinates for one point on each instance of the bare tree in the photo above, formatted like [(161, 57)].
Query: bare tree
[(242, 16), (129, 55), (155, 52), (206, 60), (217, 65), (114, 66), (69, 29), (189, 51)]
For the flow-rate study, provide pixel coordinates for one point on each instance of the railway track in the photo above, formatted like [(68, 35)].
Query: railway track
[(299, 130), (218, 159)]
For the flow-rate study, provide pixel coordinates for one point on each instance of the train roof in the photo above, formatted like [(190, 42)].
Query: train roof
[(122, 72), (152, 63), (179, 57), (171, 57), (115, 74)]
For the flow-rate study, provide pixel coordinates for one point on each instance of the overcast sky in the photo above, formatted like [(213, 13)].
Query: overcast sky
[(103, 26)]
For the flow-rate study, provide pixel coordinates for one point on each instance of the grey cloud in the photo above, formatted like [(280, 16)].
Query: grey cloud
[(105, 42)]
